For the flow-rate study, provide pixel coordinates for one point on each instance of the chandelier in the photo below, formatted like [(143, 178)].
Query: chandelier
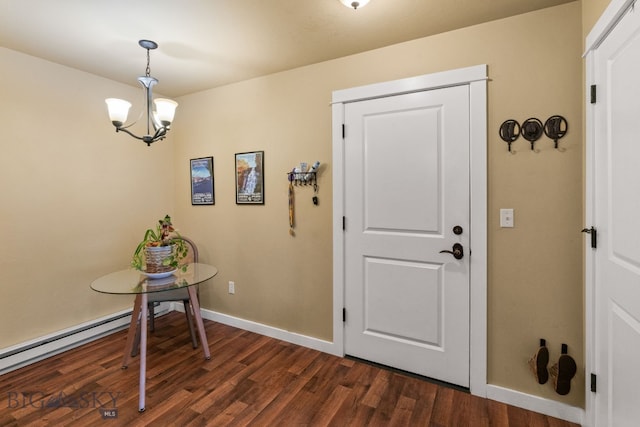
[(158, 121), (354, 4)]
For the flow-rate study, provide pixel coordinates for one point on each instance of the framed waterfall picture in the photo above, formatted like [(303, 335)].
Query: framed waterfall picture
[(202, 190), (250, 178)]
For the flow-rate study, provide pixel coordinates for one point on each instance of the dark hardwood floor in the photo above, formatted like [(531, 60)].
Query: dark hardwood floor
[(250, 380)]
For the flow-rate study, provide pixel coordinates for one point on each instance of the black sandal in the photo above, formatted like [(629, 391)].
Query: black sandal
[(562, 372), (538, 363)]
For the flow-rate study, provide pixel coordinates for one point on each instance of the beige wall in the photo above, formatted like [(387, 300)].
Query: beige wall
[(535, 269), (92, 198), (76, 196), (591, 11), (282, 281)]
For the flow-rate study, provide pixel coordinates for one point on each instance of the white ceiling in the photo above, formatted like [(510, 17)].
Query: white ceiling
[(208, 43)]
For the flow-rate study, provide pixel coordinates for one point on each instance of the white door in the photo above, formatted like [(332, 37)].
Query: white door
[(406, 190), (616, 116)]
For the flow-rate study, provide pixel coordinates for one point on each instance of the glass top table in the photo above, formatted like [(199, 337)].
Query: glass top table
[(133, 282)]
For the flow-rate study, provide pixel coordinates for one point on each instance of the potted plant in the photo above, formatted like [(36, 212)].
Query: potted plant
[(161, 249)]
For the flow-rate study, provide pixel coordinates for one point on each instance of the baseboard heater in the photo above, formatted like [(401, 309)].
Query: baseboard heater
[(23, 354)]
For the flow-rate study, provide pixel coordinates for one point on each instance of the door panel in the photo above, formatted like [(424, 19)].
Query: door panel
[(406, 187), (623, 354), (414, 301), (414, 209), (617, 258)]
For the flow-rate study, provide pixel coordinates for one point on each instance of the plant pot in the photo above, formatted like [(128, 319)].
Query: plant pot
[(155, 256)]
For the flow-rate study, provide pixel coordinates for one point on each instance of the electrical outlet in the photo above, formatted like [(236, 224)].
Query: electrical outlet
[(506, 218), (232, 287)]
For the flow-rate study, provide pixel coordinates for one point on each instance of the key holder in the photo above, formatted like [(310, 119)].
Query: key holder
[(555, 128), (509, 131), (532, 131), (302, 178)]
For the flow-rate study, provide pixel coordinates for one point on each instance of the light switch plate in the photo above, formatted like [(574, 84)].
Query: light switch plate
[(506, 218)]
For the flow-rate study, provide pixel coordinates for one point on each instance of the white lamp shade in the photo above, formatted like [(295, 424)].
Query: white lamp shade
[(118, 110), (165, 110), (354, 3)]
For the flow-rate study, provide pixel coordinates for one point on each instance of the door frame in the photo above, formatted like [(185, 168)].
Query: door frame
[(476, 78), (607, 21)]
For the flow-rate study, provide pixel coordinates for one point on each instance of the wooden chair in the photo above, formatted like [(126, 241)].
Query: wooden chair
[(174, 295)]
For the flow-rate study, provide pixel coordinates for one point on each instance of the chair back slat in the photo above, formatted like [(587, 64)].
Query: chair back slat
[(192, 250)]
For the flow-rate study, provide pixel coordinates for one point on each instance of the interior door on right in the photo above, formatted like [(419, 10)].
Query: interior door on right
[(617, 215)]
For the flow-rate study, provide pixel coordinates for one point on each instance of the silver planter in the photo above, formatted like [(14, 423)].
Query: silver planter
[(155, 256)]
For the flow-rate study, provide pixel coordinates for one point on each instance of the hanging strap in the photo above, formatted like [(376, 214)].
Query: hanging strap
[(291, 208)]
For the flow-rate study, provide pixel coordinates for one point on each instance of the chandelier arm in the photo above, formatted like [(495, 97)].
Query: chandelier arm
[(144, 96), (148, 82), (160, 134), (151, 117), (125, 130), (154, 121), (131, 124), (146, 85)]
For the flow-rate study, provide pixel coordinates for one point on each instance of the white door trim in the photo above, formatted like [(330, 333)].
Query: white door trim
[(609, 18), (607, 21), (476, 78)]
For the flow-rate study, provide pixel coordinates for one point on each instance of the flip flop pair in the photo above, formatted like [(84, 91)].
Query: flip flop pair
[(561, 372)]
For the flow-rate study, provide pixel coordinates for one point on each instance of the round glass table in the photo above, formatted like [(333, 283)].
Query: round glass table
[(133, 282)]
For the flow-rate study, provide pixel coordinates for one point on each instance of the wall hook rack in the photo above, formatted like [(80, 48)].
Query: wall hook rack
[(509, 131), (532, 130), (302, 178)]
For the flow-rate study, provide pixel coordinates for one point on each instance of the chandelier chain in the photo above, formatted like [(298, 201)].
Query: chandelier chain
[(148, 70)]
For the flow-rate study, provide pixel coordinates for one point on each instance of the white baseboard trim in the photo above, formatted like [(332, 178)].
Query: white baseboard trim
[(28, 352), (19, 355), (536, 404), (269, 331)]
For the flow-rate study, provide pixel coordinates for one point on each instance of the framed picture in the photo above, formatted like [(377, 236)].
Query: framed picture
[(202, 192), (250, 178)]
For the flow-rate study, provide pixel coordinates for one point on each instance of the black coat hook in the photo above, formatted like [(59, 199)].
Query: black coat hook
[(509, 131), (532, 130), (555, 128)]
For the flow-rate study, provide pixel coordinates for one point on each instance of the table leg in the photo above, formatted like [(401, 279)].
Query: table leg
[(133, 326), (193, 298), (143, 350)]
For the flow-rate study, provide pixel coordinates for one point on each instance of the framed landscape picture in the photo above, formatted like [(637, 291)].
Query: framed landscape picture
[(250, 178), (202, 188)]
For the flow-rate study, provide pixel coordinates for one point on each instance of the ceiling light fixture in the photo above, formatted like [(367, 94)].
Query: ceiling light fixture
[(354, 4), (158, 120)]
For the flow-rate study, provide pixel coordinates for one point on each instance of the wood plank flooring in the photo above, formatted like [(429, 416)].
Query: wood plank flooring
[(250, 380)]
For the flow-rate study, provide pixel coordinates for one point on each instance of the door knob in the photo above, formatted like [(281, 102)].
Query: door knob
[(457, 252)]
